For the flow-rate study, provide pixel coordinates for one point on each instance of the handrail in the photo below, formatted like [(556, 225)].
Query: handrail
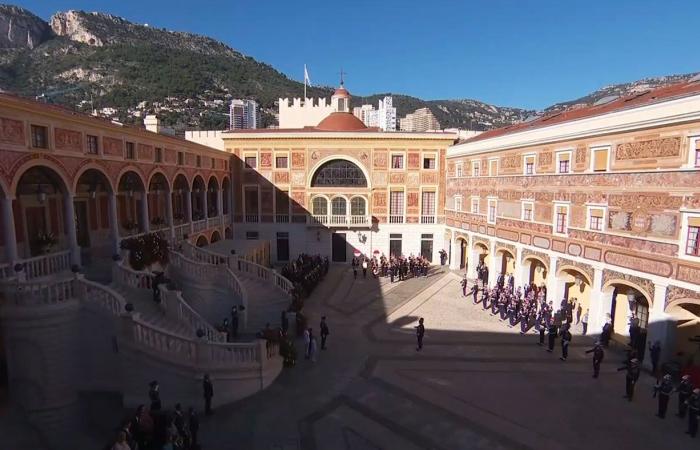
[(50, 292), (128, 277), (177, 308), (6, 271), (48, 264)]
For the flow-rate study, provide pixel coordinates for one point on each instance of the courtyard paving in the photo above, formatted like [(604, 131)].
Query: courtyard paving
[(477, 384)]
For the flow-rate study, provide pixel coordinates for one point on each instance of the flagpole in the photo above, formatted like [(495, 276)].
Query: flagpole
[(305, 82)]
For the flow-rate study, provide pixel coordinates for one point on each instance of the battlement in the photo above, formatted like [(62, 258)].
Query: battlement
[(300, 113)]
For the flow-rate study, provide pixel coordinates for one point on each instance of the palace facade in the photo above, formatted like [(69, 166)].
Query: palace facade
[(599, 203)]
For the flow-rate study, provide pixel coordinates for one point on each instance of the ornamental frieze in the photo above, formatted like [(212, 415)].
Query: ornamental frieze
[(510, 162), (545, 158), (11, 131), (507, 234), (647, 285), (266, 159), (68, 140), (510, 247), (650, 201), (583, 268), (380, 159), (677, 294), (413, 160), (629, 243), (397, 178), (112, 146), (482, 240), (282, 177), (524, 225), (647, 265), (581, 155), (543, 256), (688, 273), (656, 148), (298, 160)]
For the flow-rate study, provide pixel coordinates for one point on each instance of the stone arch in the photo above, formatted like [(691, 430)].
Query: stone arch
[(215, 236), (616, 306), (228, 234), (507, 264), (537, 258), (179, 175), (202, 241), (154, 174), (323, 161), (563, 270), (130, 178), (130, 168), (610, 284), (96, 167), (39, 162)]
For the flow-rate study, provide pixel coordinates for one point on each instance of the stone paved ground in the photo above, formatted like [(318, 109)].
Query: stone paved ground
[(477, 384)]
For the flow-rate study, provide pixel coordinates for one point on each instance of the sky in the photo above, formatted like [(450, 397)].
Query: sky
[(521, 53)]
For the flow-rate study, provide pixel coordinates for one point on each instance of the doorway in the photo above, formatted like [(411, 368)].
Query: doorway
[(339, 247), (462, 254), (426, 247), (395, 245), (81, 224), (35, 218), (282, 246)]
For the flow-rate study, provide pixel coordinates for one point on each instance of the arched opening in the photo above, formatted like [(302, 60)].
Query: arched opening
[(158, 190), (181, 190), (226, 193), (92, 214), (358, 207), (215, 237), (480, 255), (628, 305), (228, 234), (198, 199), (507, 262), (462, 258), (40, 212), (576, 289), (686, 314), (339, 210), (213, 197), (131, 204), (339, 173), (319, 206), (534, 271), (202, 241)]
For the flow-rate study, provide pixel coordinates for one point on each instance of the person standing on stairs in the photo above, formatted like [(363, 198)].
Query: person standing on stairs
[(324, 332), (154, 396), (208, 389), (234, 322)]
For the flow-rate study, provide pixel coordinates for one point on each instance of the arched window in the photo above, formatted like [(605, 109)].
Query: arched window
[(339, 206), (339, 172), (357, 206), (320, 206)]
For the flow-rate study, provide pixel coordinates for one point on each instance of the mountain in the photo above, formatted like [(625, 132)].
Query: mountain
[(123, 70)]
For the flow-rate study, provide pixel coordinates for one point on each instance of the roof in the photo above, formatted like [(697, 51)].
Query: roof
[(341, 92), (341, 121), (639, 99)]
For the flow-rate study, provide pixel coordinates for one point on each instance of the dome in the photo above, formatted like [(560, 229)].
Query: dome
[(341, 92), (341, 121)]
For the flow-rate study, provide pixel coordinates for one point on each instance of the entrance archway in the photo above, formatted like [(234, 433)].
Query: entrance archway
[(213, 197), (228, 234), (202, 241), (686, 315), (626, 299), (463, 247), (92, 215), (575, 286), (132, 205), (215, 237), (507, 262), (535, 270), (181, 190), (480, 255), (198, 199), (158, 190)]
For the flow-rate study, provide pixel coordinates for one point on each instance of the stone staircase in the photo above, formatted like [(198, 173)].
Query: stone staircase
[(265, 303)]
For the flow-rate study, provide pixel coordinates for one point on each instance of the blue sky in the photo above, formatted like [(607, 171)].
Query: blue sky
[(524, 53)]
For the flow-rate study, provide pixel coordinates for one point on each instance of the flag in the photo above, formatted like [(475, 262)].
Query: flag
[(307, 80)]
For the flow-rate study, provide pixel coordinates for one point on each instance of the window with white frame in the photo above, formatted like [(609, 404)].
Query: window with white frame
[(281, 162), (694, 152), (561, 218), (397, 161), (493, 167), (396, 203), (476, 166), (427, 207), (475, 206), (563, 162), (596, 218), (458, 169), (528, 211), (458, 203), (529, 164), (251, 161), (692, 243), (429, 162), (599, 159), (492, 211)]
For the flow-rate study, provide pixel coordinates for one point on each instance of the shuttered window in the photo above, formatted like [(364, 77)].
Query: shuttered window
[(458, 203), (600, 160), (475, 206), (396, 203), (596, 219), (475, 170), (527, 211), (428, 204), (492, 211), (397, 161)]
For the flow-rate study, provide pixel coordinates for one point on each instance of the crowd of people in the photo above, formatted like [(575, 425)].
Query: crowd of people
[(395, 267), (305, 272)]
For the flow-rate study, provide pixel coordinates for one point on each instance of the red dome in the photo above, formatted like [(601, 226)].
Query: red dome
[(341, 92), (341, 121)]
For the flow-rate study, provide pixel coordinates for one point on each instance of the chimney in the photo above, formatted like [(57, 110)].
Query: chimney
[(152, 123)]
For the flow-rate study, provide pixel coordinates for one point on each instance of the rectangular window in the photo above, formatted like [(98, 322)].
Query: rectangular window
[(530, 165), (252, 235), (427, 207), (527, 211), (40, 136), (92, 145), (395, 245), (281, 162), (596, 216), (475, 169), (697, 153), (475, 206), (564, 162), (251, 162), (397, 161), (159, 155), (199, 161), (180, 159), (561, 219), (213, 163), (426, 246), (492, 211), (130, 150), (458, 203), (692, 244), (396, 207), (493, 167), (458, 169), (429, 162), (600, 159)]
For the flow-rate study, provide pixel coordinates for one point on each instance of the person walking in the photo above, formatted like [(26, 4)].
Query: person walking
[(565, 341), (551, 336), (154, 396), (464, 286), (631, 377), (579, 310), (193, 427), (307, 343), (208, 389), (693, 409), (420, 332), (324, 332), (584, 322), (663, 390), (606, 333), (655, 353), (364, 268), (598, 355), (685, 390)]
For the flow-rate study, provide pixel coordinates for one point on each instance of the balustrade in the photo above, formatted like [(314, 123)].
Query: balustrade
[(199, 225), (44, 265)]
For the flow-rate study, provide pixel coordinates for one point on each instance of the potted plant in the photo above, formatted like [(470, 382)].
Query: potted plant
[(45, 241)]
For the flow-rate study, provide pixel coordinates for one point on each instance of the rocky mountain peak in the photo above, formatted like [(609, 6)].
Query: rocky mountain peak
[(20, 29), (72, 24)]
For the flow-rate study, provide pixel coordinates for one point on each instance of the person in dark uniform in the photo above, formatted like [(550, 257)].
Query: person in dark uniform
[(598, 355), (420, 332), (606, 333), (154, 396), (631, 377), (663, 390), (324, 332), (551, 335), (208, 389), (565, 341), (685, 390), (655, 353), (284, 322), (234, 321), (464, 286), (693, 409), (179, 423), (542, 328), (193, 427)]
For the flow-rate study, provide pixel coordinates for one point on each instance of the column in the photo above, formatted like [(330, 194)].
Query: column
[(145, 220), (661, 326), (518, 270), (597, 311), (188, 208), (553, 284), (220, 210), (71, 233), (494, 266), (205, 203), (8, 226), (114, 222), (169, 213)]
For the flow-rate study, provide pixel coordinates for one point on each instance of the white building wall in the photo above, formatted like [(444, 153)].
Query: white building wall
[(210, 138), (300, 114)]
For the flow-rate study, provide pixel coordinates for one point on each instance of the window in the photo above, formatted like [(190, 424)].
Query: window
[(251, 162), (493, 167), (561, 213), (529, 165), (92, 145), (475, 206), (339, 173), (281, 162), (159, 155), (339, 206), (596, 218), (130, 150), (697, 152), (429, 162), (213, 163), (527, 211), (319, 206), (395, 245), (180, 158), (252, 235), (428, 207), (357, 206), (475, 168), (458, 203), (492, 211), (397, 161), (396, 207), (40, 136), (426, 246), (692, 244), (563, 162), (600, 159), (458, 169), (199, 161)]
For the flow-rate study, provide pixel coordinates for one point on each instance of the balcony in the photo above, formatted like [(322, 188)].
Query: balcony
[(339, 221), (252, 218), (395, 219), (427, 219), (282, 218)]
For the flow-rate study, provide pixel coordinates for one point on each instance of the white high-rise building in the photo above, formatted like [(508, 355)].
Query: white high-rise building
[(244, 115), (383, 118)]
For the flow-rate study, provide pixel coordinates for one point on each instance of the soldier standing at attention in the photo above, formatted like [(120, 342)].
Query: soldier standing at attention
[(208, 389), (693, 408), (324, 332), (565, 341), (420, 332), (598, 355), (685, 390), (631, 377), (663, 389), (551, 335)]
